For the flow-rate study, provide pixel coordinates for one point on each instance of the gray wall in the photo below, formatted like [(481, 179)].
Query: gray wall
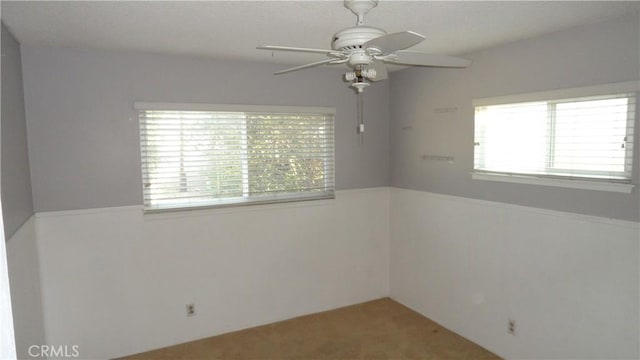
[(432, 113), (83, 131), (17, 205)]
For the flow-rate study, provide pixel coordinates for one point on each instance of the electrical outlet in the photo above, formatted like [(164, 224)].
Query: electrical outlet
[(511, 327), (191, 309)]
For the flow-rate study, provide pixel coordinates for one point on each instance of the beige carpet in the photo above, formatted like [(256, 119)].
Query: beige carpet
[(380, 329)]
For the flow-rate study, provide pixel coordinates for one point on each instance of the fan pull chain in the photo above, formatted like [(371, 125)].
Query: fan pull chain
[(360, 118)]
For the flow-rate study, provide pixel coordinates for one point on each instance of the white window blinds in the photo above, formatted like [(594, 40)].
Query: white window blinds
[(587, 137), (201, 156)]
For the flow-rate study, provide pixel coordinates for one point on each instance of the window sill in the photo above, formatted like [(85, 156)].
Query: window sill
[(572, 184), (238, 202)]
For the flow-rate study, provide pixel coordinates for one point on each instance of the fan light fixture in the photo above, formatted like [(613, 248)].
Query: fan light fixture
[(366, 50)]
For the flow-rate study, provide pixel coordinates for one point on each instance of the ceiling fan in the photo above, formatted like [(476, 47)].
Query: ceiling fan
[(366, 50)]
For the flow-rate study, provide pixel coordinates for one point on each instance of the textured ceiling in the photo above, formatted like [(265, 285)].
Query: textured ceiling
[(232, 29)]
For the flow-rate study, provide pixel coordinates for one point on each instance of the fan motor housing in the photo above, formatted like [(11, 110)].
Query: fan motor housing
[(352, 38)]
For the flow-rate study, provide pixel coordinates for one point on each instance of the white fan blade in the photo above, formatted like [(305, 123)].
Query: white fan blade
[(394, 42), (306, 66), (422, 59), (295, 49), (381, 70)]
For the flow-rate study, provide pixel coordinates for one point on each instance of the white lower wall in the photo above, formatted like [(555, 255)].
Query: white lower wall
[(570, 282), (24, 279), (116, 282)]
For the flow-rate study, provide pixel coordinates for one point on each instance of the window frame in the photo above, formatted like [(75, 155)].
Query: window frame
[(245, 199), (560, 96)]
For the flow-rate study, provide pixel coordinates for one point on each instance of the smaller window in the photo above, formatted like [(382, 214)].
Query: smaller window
[(576, 134)]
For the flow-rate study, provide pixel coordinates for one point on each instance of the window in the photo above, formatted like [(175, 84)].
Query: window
[(216, 155), (577, 135)]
